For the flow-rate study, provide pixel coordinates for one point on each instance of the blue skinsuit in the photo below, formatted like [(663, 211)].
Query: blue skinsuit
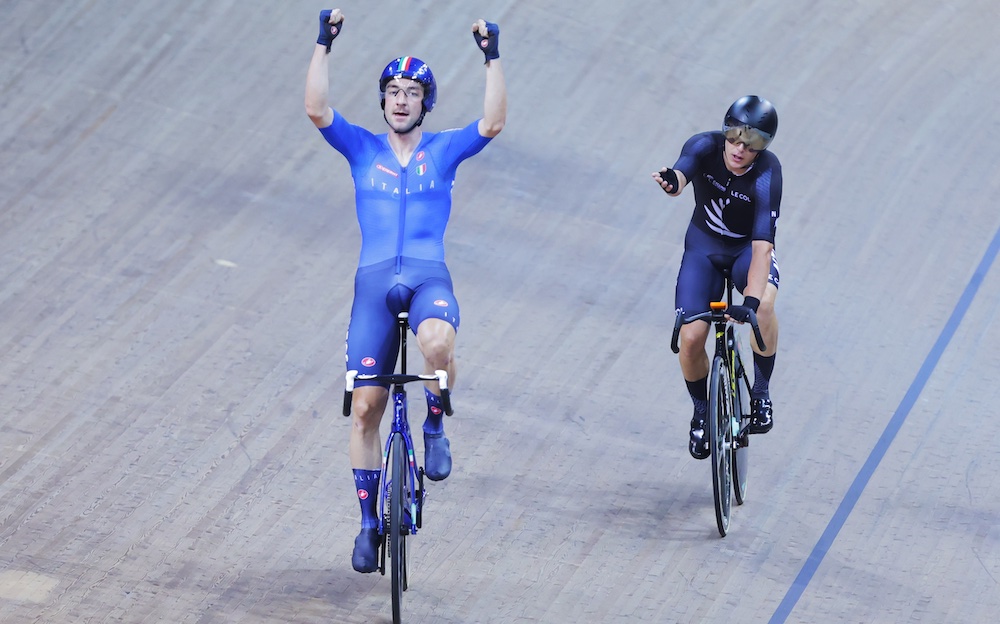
[(403, 213)]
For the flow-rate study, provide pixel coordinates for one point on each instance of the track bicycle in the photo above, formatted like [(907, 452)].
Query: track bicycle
[(728, 404), (401, 488)]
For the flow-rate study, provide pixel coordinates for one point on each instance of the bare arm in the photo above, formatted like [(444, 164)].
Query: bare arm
[(760, 268), (318, 81), (495, 105), (495, 101)]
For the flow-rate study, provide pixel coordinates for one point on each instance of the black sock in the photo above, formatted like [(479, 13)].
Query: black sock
[(762, 369), (699, 394)]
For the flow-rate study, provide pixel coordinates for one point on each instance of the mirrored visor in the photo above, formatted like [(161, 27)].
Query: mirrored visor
[(753, 138)]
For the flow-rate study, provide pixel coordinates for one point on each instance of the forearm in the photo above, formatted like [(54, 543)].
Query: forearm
[(318, 88), (760, 268), (495, 102)]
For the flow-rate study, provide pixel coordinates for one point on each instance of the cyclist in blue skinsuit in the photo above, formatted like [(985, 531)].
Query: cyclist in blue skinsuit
[(403, 180), (737, 192)]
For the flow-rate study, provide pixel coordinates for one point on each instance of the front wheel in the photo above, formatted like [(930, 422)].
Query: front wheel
[(397, 530), (719, 428)]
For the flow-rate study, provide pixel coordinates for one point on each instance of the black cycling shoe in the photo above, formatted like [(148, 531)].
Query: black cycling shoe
[(761, 416), (699, 439), (365, 556), (437, 456)]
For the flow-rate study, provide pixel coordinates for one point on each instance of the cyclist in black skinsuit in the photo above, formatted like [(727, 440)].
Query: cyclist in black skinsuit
[(737, 191)]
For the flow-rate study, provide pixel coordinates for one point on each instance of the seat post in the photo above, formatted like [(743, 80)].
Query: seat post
[(403, 319)]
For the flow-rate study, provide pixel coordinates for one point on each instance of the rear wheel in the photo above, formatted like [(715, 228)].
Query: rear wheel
[(720, 430), (741, 411), (397, 530)]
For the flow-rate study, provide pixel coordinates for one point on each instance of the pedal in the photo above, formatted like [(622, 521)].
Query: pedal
[(742, 439)]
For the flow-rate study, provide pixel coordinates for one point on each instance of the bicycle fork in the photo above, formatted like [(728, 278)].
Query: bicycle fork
[(740, 436)]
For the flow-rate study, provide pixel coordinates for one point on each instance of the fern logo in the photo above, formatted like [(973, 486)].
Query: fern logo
[(715, 221)]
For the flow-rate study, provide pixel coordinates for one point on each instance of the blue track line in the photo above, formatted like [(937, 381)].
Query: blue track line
[(888, 435)]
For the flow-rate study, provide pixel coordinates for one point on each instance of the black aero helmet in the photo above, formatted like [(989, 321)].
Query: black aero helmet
[(755, 118)]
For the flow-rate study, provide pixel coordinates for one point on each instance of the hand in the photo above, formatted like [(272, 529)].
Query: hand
[(330, 24), (745, 312), (487, 35), (667, 179)]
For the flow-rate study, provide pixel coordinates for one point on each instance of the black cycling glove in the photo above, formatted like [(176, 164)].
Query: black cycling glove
[(490, 44), (327, 31), (670, 177), (743, 313)]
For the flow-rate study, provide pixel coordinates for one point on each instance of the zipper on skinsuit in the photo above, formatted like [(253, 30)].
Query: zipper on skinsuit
[(402, 220)]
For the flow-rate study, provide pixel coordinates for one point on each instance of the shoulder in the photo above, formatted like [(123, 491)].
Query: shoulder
[(768, 158), (342, 125), (456, 138), (767, 162), (704, 143), (451, 133), (341, 133), (711, 139)]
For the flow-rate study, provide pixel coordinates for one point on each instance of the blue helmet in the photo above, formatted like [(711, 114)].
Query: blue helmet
[(414, 69)]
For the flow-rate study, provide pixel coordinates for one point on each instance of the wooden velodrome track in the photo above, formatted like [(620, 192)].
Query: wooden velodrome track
[(177, 246)]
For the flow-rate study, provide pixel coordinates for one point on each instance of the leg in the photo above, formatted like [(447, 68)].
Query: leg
[(367, 408), (694, 352), (694, 366), (762, 412), (768, 321), (436, 339), (763, 360), (371, 347), (366, 459), (435, 315), (698, 283)]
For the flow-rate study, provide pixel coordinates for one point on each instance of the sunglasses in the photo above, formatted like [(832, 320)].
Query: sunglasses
[(752, 139)]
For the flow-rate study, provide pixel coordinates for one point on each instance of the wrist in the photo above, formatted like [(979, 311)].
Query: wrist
[(751, 302)]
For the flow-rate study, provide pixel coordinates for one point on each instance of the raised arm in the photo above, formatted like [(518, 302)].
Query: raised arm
[(318, 76), (487, 36)]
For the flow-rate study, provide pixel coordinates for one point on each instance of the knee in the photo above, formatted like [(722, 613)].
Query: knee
[(367, 410), (437, 350), (437, 340), (766, 313), (692, 342)]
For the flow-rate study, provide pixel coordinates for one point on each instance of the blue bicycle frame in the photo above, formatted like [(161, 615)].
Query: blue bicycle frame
[(400, 431)]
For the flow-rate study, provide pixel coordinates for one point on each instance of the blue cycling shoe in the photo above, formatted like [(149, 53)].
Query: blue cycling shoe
[(437, 456), (365, 557)]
